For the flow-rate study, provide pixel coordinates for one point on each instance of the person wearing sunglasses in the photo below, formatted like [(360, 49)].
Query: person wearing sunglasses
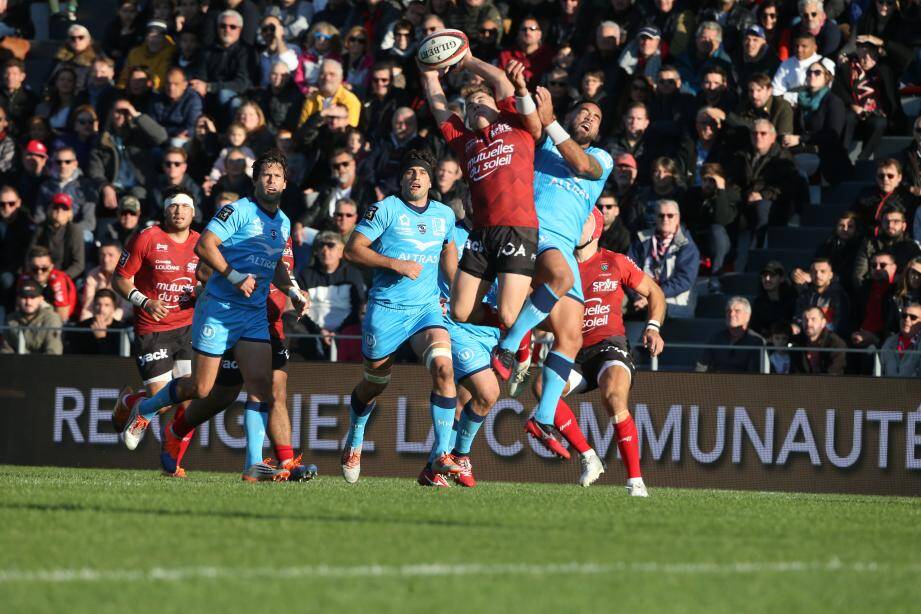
[(319, 43), (888, 189), (16, 231), (875, 298), (530, 51), (615, 236), (814, 21), (344, 183), (892, 236), (896, 357), (77, 53), (791, 74), (67, 178), (227, 65), (274, 49), (359, 59), (56, 286)]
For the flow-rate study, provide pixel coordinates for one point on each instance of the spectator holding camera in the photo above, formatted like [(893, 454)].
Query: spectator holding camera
[(275, 49)]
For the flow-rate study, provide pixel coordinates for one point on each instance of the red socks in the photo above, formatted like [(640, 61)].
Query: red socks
[(283, 453), (565, 422), (182, 430), (629, 448), (524, 348)]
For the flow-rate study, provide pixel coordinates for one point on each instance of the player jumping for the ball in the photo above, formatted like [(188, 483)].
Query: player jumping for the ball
[(243, 245), (605, 361), (406, 239), (497, 149), (569, 175)]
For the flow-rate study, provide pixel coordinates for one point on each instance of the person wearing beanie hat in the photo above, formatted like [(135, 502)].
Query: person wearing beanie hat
[(156, 53)]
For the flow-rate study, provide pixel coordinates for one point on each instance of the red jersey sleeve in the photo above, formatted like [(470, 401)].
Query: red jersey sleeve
[(632, 275), (132, 255), (454, 131), (509, 112)]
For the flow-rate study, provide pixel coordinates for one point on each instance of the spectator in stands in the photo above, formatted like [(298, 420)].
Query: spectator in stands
[(190, 15), (7, 145), (320, 43), (383, 99), (228, 65), (104, 324), (772, 190), (623, 183), (359, 59), (57, 287), (910, 158), (331, 91), (815, 22), (191, 57), (258, 137), (717, 207), (530, 50), (671, 110), (892, 237), (875, 302), (60, 100), (633, 138), (345, 218), (156, 53), (36, 321), (676, 23), (275, 49), (608, 39), (123, 32), (67, 178), (82, 135), (177, 107), (295, 16), (28, 182), (175, 174), (819, 288), (755, 57), (16, 97), (817, 335), (791, 75), (62, 237), (770, 20), (383, 164), (819, 124), (121, 162), (888, 191), (249, 13), (140, 89), (668, 254), (726, 359), (344, 183), (779, 338), (337, 293), (909, 289), (735, 18), (706, 144), (100, 278), (775, 301), (641, 56), (449, 182), (126, 222), (871, 90), (468, 14), (280, 100), (485, 44), (235, 177), (840, 248), (15, 233), (707, 51), (715, 91), (896, 359), (77, 53), (759, 102), (615, 235)]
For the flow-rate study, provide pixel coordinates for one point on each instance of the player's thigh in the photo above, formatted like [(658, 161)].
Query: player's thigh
[(554, 270), (432, 343), (467, 293), (513, 291), (204, 373), (483, 388), (280, 388), (255, 361), (566, 324), (614, 383)]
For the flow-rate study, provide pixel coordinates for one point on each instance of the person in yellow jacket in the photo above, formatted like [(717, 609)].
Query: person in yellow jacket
[(156, 53), (329, 92)]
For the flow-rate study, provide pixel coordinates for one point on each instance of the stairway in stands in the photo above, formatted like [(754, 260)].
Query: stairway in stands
[(792, 246)]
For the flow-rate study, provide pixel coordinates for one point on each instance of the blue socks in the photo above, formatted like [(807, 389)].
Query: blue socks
[(255, 419), (467, 429), (359, 414), (165, 397), (554, 376), (443, 409), (535, 310)]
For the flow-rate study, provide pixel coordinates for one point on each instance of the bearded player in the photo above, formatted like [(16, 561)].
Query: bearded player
[(496, 147), (243, 244), (156, 273), (230, 382), (605, 361), (407, 239), (569, 175)]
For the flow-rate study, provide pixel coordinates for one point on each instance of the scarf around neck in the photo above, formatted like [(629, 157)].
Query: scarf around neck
[(809, 102)]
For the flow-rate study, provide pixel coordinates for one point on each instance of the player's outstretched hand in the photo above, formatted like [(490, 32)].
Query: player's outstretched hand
[(156, 309), (515, 73), (408, 268), (247, 286), (544, 106), (653, 342)]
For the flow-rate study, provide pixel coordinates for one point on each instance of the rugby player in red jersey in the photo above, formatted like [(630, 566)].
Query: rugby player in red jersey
[(230, 382), (605, 361), (496, 149), (156, 273)]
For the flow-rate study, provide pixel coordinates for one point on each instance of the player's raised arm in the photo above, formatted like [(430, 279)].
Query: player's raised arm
[(207, 250), (582, 163), (655, 310), (523, 100), (359, 251), (502, 88), (434, 93)]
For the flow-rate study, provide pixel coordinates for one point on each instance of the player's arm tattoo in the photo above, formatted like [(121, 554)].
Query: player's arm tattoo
[(582, 163)]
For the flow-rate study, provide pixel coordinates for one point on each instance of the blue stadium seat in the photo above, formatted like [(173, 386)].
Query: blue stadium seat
[(790, 258), (745, 284), (823, 216), (842, 194), (790, 237)]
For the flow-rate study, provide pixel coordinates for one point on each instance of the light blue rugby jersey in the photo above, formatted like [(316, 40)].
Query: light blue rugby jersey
[(563, 201), (398, 230), (461, 232), (252, 241)]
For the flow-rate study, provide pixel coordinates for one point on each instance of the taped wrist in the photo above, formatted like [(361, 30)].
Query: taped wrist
[(557, 133), (138, 299)]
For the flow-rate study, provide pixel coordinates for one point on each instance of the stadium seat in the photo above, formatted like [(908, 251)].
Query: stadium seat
[(842, 194), (892, 146), (789, 237), (790, 258), (823, 216), (865, 171), (711, 305), (745, 284)]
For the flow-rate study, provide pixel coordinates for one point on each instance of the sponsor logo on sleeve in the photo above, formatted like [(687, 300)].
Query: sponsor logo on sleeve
[(124, 257), (370, 213), (225, 213)]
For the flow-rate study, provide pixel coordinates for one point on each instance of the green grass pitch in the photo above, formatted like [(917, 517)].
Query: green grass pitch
[(129, 541)]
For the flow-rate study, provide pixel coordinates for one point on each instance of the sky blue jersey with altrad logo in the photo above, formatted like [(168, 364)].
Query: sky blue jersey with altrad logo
[(252, 241), (402, 231)]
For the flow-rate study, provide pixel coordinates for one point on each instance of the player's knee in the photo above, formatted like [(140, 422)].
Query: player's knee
[(201, 389), (616, 400), (486, 398), (561, 281), (442, 371), (508, 315)]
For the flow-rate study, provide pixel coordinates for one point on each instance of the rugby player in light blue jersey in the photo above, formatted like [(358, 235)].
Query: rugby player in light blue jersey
[(407, 239), (471, 345), (569, 176), (243, 245)]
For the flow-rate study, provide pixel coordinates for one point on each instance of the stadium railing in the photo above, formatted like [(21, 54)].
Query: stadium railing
[(126, 336)]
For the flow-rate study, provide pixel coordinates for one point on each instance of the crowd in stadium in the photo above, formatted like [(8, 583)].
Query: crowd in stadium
[(722, 117)]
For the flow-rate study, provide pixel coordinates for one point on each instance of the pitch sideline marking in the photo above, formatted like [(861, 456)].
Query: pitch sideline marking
[(88, 574)]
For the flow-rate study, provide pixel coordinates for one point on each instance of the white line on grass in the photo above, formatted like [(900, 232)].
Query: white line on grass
[(87, 574)]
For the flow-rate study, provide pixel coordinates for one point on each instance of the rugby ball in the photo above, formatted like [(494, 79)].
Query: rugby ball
[(443, 48)]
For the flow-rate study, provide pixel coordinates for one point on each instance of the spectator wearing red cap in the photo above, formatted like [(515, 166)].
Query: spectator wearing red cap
[(65, 177), (27, 182), (62, 238)]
